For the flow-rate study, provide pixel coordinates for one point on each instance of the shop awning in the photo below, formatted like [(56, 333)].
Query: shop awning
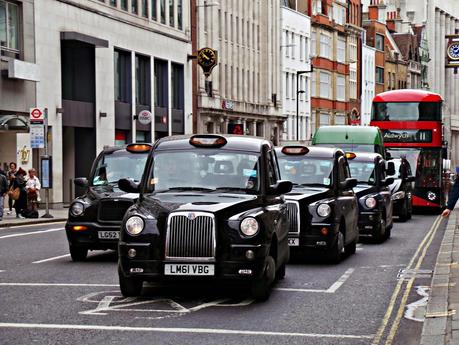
[(14, 123)]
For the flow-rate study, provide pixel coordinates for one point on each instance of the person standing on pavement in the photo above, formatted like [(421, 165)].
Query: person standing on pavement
[(33, 190), (3, 190), (453, 196), (11, 176), (19, 182)]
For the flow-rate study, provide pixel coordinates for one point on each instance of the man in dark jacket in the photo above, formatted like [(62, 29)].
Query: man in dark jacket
[(3, 190), (453, 196)]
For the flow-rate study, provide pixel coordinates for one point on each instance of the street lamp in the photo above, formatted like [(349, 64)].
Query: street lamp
[(298, 73)]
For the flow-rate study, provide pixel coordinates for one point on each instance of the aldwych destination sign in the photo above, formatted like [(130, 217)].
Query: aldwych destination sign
[(407, 136)]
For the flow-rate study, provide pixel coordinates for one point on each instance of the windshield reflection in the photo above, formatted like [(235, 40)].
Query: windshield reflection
[(306, 171)]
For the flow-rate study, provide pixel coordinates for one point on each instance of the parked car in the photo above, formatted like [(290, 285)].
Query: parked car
[(210, 206), (375, 198), (322, 206), (95, 217), (402, 189)]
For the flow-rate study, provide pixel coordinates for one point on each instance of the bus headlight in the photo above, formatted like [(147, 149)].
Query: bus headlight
[(399, 195), (249, 226), (77, 209), (134, 225), (323, 210), (370, 202), (431, 196)]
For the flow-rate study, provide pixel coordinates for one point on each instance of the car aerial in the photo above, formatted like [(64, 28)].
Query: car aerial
[(402, 189), (373, 193), (322, 207), (210, 207), (95, 217)]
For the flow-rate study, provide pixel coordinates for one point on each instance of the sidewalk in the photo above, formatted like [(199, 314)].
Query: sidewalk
[(441, 326), (59, 215)]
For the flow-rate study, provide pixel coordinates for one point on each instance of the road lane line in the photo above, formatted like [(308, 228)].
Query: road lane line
[(179, 330), (59, 284), (31, 225), (300, 290), (340, 281), (398, 287), (31, 233), (51, 259)]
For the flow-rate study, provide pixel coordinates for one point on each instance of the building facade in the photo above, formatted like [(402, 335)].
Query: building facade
[(243, 93), (368, 82), (101, 63), (296, 29)]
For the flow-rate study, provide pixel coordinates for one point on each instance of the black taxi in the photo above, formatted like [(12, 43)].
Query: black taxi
[(373, 192), (322, 206), (402, 189), (94, 218), (210, 206)]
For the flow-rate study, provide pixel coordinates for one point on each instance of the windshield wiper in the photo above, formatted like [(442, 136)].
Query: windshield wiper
[(312, 185), (232, 188), (201, 189)]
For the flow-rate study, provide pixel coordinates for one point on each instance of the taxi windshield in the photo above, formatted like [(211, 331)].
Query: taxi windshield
[(205, 170), (306, 171), (117, 165), (364, 172)]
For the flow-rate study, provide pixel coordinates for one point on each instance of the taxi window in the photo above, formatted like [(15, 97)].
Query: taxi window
[(343, 169), (364, 172), (272, 170), (301, 170), (204, 169)]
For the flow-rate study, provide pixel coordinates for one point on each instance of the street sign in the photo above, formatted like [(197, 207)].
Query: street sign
[(144, 117), (46, 172), (37, 136), (37, 115)]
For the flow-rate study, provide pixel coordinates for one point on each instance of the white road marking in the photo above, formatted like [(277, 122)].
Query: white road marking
[(301, 290), (51, 259), (59, 284), (340, 281), (416, 311), (30, 225), (180, 330), (2, 271), (31, 233)]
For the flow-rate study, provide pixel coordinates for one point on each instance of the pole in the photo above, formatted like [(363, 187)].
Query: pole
[(297, 107), (47, 214)]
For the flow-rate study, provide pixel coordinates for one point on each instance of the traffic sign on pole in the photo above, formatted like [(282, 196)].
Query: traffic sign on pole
[(37, 115)]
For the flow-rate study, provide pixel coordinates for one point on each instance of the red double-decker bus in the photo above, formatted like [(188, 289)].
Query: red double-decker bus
[(411, 122)]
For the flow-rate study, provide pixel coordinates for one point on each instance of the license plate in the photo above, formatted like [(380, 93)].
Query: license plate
[(294, 242), (109, 235), (189, 270)]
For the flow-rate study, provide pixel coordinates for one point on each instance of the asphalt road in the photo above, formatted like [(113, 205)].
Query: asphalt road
[(45, 298)]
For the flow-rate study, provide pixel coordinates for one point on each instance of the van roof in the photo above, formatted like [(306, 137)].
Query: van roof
[(348, 135)]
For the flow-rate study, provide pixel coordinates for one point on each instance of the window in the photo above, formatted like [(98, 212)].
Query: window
[(313, 43), (325, 85), (134, 6), (163, 11), (293, 45), (324, 119), (113, 3), (142, 80), (294, 90), (325, 45), (287, 86), (9, 25), (171, 13), (340, 88), (122, 76), (341, 50), (317, 7), (314, 85), (379, 42), (180, 14), (339, 14), (287, 36), (301, 48), (177, 86), (124, 5), (340, 119), (161, 84), (380, 75), (145, 8)]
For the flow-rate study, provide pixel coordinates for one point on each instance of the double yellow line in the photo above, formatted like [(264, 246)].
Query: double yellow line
[(420, 255)]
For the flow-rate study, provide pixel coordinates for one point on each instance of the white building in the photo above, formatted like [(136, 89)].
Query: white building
[(101, 63), (244, 88), (368, 83), (296, 31)]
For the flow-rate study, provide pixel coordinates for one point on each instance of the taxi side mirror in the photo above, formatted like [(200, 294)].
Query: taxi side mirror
[(128, 186), (388, 181), (281, 187), (81, 182), (349, 183)]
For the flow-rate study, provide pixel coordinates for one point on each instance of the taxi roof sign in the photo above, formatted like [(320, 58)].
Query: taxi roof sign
[(295, 150), (138, 148), (207, 141), (350, 155)]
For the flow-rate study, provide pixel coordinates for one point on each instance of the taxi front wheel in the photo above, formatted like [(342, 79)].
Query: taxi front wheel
[(129, 287), (78, 253), (261, 288)]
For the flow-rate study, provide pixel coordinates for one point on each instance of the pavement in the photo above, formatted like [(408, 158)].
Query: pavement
[(442, 317), (59, 215)]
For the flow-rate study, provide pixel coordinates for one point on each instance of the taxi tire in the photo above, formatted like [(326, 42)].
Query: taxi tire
[(280, 274), (335, 253), (78, 253), (405, 214), (381, 231), (261, 288), (351, 248), (130, 287)]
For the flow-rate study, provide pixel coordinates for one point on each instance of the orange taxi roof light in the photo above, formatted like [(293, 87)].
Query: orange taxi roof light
[(295, 150), (138, 148), (350, 155), (207, 141)]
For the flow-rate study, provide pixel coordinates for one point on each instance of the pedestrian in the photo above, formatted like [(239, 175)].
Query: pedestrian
[(3, 190), (20, 204), (33, 190), (11, 176), (453, 196)]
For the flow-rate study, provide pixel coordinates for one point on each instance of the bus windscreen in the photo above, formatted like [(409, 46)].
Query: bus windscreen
[(407, 111)]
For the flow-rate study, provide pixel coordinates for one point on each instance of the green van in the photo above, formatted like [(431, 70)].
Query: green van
[(351, 138)]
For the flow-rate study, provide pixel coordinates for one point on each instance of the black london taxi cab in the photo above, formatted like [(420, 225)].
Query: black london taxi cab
[(402, 189), (210, 206), (94, 218), (373, 193), (322, 207)]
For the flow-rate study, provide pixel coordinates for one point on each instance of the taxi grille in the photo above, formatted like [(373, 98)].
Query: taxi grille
[(293, 216), (190, 235), (113, 210)]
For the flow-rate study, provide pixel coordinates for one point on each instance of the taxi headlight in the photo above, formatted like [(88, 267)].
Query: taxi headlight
[(323, 210), (134, 225), (370, 202), (77, 209), (249, 226), (399, 195)]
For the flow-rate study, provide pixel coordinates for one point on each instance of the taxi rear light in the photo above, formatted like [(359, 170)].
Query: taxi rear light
[(138, 148), (79, 228), (350, 155), (295, 150), (207, 141)]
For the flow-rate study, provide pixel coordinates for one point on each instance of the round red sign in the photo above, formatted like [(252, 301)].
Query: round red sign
[(36, 113)]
